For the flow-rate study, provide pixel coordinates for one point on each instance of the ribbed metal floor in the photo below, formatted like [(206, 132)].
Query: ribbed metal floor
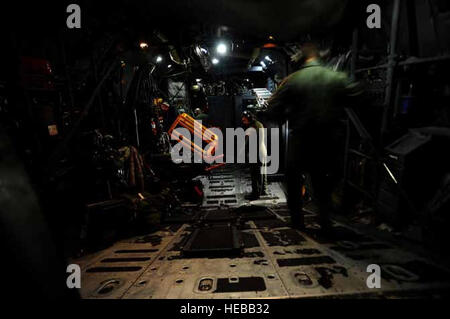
[(277, 261)]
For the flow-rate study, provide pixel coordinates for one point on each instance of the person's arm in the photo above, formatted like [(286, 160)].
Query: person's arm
[(349, 87), (349, 90), (277, 102)]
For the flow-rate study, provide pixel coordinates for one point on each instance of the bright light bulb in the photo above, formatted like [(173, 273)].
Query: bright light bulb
[(143, 45), (221, 48), (215, 61), (159, 58)]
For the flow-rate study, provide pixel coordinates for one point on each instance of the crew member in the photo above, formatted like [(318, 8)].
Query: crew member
[(312, 100), (258, 169), (201, 116)]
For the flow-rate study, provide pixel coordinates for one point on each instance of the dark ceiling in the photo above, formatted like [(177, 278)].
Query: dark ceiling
[(183, 22), (284, 19)]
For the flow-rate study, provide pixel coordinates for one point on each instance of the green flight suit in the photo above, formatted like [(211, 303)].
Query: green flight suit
[(204, 118), (313, 100)]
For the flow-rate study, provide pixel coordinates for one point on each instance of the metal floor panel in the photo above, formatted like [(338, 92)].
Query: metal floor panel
[(288, 263), (93, 283)]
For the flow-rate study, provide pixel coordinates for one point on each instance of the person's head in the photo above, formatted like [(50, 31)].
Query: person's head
[(310, 51), (165, 106), (197, 111), (247, 118)]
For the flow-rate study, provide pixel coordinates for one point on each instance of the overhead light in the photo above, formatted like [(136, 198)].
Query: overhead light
[(256, 69), (263, 64), (143, 45), (222, 48), (215, 61), (198, 80), (267, 58), (159, 59), (169, 66)]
